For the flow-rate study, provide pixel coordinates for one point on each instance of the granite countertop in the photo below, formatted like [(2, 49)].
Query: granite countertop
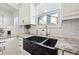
[(15, 35), (7, 36), (68, 45)]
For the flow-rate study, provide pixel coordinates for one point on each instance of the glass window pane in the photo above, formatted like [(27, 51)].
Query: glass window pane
[(54, 20), (42, 20)]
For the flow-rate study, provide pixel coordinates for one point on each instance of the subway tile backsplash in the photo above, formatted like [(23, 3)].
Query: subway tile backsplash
[(69, 29)]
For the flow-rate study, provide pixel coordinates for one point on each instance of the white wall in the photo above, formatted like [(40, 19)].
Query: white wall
[(32, 13)]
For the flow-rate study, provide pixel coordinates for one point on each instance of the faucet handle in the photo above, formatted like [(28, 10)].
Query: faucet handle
[(47, 34)]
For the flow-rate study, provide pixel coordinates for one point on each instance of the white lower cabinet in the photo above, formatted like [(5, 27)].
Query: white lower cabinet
[(21, 50), (20, 45), (11, 46)]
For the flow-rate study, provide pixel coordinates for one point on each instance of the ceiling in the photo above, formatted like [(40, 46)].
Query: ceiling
[(11, 7)]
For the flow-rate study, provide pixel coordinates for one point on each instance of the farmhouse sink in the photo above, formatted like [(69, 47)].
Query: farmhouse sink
[(36, 39), (50, 42), (37, 45)]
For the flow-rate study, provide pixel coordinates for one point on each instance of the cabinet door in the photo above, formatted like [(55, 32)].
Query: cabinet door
[(24, 14), (69, 11), (20, 45), (69, 7), (11, 47)]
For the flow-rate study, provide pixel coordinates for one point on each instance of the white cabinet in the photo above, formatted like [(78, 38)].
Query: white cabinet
[(20, 46), (24, 14), (11, 46), (69, 11), (32, 14), (69, 7), (21, 50)]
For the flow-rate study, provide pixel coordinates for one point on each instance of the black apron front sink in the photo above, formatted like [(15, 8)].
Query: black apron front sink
[(36, 49), (50, 42), (36, 39)]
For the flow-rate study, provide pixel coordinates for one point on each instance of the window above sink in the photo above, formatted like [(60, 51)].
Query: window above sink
[(51, 17)]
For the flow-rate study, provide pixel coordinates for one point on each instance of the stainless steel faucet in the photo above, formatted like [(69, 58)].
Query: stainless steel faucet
[(47, 31)]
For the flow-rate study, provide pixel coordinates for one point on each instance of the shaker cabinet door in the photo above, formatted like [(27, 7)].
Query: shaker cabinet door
[(24, 14)]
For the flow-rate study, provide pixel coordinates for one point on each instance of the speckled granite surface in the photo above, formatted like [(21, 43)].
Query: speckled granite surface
[(69, 45)]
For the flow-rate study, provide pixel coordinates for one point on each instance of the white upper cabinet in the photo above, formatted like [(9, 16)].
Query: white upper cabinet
[(32, 14), (26, 13), (69, 11)]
